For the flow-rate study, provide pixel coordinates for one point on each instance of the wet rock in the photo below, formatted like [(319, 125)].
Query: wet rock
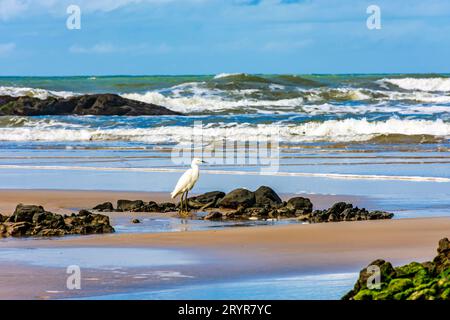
[(339, 207), (342, 211), (104, 207), (214, 215), (205, 200), (135, 221), (238, 197), (94, 104), (167, 207), (414, 281), (299, 205), (25, 213), (31, 220), (265, 196), (130, 205)]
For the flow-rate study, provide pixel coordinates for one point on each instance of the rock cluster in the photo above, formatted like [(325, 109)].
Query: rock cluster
[(241, 204), (136, 206), (94, 104), (265, 203), (415, 281), (32, 220)]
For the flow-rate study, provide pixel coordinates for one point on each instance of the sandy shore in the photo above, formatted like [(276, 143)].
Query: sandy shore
[(231, 252)]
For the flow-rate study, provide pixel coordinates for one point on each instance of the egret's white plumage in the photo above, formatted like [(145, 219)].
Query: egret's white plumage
[(187, 180)]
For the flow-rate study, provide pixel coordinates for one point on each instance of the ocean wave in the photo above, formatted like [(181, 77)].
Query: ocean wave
[(210, 103), (421, 84), (347, 130), (199, 98), (226, 75), (241, 77), (33, 92)]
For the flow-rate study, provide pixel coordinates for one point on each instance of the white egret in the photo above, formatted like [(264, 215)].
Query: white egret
[(187, 182)]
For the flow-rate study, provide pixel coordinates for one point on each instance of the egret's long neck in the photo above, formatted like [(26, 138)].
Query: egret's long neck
[(194, 167)]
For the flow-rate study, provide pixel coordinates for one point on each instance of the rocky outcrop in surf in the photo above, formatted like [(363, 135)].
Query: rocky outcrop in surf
[(95, 104), (415, 281), (32, 220), (261, 204)]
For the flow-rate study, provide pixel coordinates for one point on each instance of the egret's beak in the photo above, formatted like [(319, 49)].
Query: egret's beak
[(203, 161)]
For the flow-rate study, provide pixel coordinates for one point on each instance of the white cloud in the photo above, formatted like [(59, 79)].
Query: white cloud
[(12, 8), (97, 48), (6, 48), (108, 48)]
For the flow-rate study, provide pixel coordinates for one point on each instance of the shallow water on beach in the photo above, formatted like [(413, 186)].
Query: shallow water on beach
[(309, 287), (172, 224), (103, 258)]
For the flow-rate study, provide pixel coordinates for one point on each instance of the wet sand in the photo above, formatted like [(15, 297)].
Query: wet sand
[(223, 253)]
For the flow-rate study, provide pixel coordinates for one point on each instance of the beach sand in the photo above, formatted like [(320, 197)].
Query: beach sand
[(228, 252)]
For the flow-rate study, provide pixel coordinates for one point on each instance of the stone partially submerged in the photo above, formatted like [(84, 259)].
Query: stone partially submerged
[(415, 281), (32, 220)]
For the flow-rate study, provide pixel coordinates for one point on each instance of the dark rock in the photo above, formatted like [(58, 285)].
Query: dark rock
[(135, 221), (300, 204), (31, 220), (265, 196), (84, 213), (130, 205), (104, 207), (238, 197), (340, 207), (214, 215), (151, 206), (95, 104), (25, 213), (205, 200), (167, 207)]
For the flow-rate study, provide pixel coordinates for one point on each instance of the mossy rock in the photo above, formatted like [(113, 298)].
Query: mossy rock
[(414, 281), (398, 285), (425, 294), (365, 294), (445, 295), (409, 269)]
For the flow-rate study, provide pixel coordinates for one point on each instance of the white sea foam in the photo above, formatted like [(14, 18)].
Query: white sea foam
[(344, 176), (331, 130), (216, 103), (422, 84), (195, 97), (33, 92), (226, 75)]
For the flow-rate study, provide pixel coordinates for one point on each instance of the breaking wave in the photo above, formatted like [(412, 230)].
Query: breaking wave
[(422, 84), (331, 130)]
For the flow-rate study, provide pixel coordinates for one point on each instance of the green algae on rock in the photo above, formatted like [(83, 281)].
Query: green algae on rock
[(415, 281)]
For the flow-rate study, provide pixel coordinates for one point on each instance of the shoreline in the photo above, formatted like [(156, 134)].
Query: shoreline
[(220, 254), (228, 254)]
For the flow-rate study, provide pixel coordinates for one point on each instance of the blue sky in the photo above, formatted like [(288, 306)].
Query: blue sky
[(215, 36)]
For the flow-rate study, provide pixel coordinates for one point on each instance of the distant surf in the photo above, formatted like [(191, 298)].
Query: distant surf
[(304, 108)]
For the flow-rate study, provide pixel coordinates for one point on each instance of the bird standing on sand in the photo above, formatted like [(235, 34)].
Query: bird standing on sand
[(186, 183)]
